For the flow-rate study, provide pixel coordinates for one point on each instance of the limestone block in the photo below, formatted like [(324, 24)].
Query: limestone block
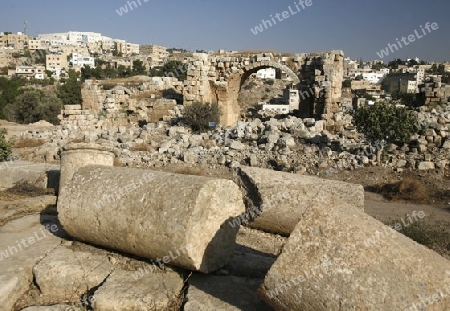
[(70, 272), (282, 198), (72, 107), (151, 292), (339, 258), (180, 218)]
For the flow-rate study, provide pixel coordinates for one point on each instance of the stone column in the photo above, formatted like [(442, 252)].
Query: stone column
[(339, 258), (76, 155), (281, 199), (173, 219)]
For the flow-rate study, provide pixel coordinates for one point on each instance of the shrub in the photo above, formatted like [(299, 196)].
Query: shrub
[(385, 121), (198, 115), (407, 189), (5, 147), (33, 106), (269, 82), (28, 142)]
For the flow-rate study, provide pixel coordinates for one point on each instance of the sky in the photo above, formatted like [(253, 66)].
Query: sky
[(360, 28)]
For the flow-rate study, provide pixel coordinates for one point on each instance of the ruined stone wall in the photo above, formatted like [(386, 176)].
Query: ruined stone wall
[(218, 78)]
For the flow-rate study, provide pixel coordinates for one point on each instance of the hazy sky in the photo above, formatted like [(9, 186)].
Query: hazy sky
[(360, 28)]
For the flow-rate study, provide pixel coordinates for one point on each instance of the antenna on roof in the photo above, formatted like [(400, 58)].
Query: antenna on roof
[(25, 27)]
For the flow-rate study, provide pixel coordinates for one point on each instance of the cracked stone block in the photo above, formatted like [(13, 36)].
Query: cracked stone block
[(68, 274), (23, 242), (123, 291)]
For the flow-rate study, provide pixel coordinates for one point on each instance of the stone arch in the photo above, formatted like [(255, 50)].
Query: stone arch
[(227, 95)]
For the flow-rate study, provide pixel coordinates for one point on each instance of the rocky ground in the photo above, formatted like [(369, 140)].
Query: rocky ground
[(57, 270)]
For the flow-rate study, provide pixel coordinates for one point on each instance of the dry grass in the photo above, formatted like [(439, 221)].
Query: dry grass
[(117, 162), (27, 189), (187, 170), (142, 147), (28, 143), (434, 235), (146, 95), (407, 189)]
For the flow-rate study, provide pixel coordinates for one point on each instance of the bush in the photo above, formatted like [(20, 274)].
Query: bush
[(385, 121), (269, 82), (5, 147), (198, 115), (33, 106)]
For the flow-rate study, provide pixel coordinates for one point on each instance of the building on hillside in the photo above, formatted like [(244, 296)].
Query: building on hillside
[(57, 63), (284, 105), (80, 60), (34, 44), (18, 41), (266, 73), (37, 72)]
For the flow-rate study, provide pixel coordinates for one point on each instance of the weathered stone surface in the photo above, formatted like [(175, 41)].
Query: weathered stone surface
[(23, 242), (155, 291), (227, 293), (339, 258), (36, 173), (283, 197), (65, 273), (53, 308), (76, 155), (179, 219)]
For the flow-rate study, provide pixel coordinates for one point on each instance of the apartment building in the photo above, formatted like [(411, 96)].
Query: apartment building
[(18, 41), (37, 72), (82, 60), (56, 61)]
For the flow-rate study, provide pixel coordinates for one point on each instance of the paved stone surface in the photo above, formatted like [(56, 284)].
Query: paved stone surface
[(227, 293), (122, 291), (23, 242), (64, 273)]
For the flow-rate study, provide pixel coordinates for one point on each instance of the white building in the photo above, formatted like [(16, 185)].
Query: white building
[(267, 73), (372, 77), (37, 72), (80, 60)]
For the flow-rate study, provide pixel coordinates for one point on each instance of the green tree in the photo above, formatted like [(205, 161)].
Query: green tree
[(9, 90), (347, 83), (198, 115), (139, 68), (5, 146), (174, 68), (70, 90), (384, 122), (32, 106)]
